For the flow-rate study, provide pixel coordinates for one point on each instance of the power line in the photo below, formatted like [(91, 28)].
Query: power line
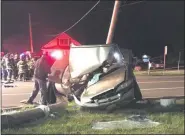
[(79, 19), (132, 3), (120, 6)]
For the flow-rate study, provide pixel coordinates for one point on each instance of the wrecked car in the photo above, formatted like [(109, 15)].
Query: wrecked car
[(98, 76)]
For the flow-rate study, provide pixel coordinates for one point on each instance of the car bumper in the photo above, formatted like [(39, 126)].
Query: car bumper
[(122, 98)]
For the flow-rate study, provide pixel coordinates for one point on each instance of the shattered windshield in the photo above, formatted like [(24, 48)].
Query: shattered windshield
[(115, 57)]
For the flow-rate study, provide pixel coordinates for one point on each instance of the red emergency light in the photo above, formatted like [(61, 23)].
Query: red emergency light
[(57, 54)]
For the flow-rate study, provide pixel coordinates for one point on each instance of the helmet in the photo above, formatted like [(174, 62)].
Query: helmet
[(22, 56)]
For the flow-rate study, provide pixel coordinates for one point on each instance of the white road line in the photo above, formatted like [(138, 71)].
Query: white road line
[(160, 82), (19, 94), (138, 82), (141, 90), (152, 77), (162, 88)]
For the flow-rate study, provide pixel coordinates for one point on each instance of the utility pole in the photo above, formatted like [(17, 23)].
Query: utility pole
[(179, 60), (165, 53), (113, 21), (30, 31)]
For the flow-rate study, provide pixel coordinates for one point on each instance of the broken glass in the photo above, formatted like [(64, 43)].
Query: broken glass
[(135, 121)]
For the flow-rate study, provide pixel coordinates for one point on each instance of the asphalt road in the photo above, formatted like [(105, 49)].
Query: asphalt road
[(151, 87)]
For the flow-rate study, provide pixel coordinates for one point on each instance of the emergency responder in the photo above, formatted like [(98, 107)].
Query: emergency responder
[(3, 68), (28, 61), (41, 71), (15, 70), (31, 67), (22, 68), (9, 66)]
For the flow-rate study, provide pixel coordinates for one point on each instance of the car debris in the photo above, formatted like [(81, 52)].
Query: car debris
[(134, 121)]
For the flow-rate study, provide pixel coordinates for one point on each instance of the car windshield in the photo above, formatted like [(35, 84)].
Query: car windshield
[(115, 57)]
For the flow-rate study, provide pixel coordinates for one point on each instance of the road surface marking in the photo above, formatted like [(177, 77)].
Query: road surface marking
[(152, 77), (160, 82), (20, 94), (141, 90), (162, 88), (147, 82)]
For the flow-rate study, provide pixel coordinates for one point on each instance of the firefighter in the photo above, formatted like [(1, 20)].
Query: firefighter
[(41, 71), (15, 70), (28, 61), (22, 68), (31, 67), (9, 66)]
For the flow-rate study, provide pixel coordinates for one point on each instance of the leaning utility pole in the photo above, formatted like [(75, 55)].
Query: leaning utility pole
[(113, 21), (30, 31)]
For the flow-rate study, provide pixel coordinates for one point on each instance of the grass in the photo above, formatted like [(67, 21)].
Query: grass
[(160, 72), (74, 121)]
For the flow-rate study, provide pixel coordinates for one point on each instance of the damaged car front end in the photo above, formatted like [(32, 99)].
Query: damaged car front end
[(100, 75)]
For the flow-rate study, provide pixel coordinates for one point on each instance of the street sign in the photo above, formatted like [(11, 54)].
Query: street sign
[(165, 50), (145, 58)]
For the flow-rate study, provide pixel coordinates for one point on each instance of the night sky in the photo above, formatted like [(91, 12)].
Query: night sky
[(145, 27)]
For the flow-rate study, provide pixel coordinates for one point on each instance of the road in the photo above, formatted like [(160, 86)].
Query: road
[(151, 87)]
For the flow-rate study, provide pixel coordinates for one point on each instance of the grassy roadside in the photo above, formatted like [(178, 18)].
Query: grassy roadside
[(160, 72), (74, 121)]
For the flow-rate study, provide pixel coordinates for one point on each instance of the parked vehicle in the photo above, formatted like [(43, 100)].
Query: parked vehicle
[(141, 66), (98, 76), (157, 64)]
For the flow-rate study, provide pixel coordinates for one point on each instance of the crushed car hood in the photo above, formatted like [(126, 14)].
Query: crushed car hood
[(80, 66)]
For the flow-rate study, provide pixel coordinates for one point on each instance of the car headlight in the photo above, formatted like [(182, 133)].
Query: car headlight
[(125, 85)]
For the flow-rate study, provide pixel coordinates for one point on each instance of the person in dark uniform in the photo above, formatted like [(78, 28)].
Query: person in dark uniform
[(15, 70), (41, 71)]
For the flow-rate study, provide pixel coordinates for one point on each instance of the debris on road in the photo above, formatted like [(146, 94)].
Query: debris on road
[(167, 102), (135, 121)]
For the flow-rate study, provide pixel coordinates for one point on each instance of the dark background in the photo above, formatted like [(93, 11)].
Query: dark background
[(144, 27)]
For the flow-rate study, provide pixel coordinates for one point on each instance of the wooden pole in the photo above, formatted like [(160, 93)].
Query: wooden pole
[(164, 63), (19, 118), (113, 22), (165, 53), (30, 32), (179, 60)]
